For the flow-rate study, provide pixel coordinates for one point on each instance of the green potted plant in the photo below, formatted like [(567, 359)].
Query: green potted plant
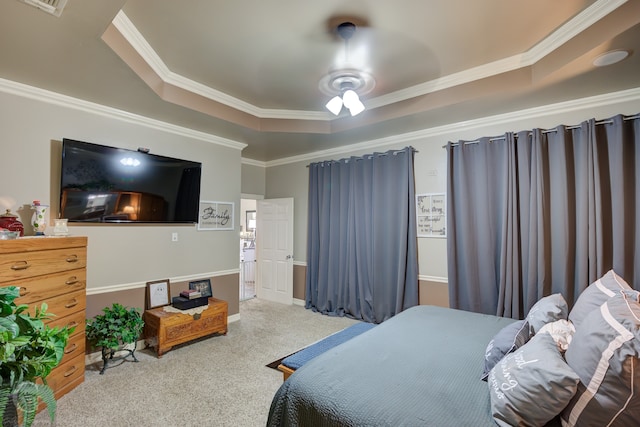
[(113, 330), (29, 350)]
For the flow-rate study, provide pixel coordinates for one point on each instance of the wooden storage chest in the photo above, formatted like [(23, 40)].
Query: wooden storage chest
[(164, 330)]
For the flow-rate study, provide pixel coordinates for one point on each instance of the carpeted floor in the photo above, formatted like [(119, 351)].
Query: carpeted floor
[(218, 381)]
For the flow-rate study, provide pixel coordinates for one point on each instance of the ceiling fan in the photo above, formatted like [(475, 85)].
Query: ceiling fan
[(346, 84)]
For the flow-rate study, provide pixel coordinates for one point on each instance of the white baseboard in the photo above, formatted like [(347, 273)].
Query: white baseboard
[(297, 301)]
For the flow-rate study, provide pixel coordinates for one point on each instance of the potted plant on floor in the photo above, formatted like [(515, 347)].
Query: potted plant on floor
[(29, 350), (114, 331)]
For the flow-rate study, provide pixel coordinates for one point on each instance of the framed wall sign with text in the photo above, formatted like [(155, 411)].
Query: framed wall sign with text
[(158, 293), (215, 216), (431, 214)]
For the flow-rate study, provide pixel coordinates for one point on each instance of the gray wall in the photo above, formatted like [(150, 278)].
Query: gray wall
[(253, 178), (123, 258), (126, 256), (290, 179)]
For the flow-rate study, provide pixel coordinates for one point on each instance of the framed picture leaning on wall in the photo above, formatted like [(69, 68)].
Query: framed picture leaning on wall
[(204, 286), (158, 293)]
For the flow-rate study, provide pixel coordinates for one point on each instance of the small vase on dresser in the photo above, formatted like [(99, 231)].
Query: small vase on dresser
[(40, 217)]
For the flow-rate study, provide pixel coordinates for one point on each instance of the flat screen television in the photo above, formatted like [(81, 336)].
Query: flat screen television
[(115, 185)]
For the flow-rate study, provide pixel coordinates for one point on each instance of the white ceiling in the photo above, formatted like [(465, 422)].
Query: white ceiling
[(248, 70)]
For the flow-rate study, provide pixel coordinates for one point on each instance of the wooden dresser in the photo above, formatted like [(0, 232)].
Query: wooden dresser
[(164, 329), (52, 270)]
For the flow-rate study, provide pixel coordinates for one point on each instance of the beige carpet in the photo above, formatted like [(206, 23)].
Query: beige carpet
[(218, 381)]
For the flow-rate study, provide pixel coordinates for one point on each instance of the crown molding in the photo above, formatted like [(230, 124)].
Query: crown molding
[(128, 30), (31, 92), (252, 162), (573, 27), (587, 103)]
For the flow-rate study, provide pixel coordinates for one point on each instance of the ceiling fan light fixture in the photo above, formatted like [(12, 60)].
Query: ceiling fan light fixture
[(352, 101), (350, 98), (346, 85), (356, 108), (335, 105)]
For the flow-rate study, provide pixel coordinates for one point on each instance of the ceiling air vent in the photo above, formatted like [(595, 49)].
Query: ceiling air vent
[(54, 7)]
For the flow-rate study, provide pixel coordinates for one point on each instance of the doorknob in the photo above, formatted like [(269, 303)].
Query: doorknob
[(289, 257)]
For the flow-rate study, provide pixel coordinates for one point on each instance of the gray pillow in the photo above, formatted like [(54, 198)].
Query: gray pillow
[(507, 340), (595, 295), (604, 352), (548, 309), (532, 385)]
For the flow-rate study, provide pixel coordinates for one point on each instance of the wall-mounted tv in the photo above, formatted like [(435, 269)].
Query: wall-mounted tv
[(115, 185)]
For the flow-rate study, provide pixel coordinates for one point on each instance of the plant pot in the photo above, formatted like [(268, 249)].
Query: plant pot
[(10, 414), (109, 355)]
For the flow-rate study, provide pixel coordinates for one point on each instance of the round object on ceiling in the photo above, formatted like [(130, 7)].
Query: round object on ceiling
[(610, 58), (334, 82)]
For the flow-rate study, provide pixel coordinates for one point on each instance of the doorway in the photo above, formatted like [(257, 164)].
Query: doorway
[(248, 232), (274, 267)]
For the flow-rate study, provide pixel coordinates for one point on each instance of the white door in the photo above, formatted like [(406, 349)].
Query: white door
[(274, 250)]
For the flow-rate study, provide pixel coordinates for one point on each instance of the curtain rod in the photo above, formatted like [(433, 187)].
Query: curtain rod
[(394, 152), (498, 138)]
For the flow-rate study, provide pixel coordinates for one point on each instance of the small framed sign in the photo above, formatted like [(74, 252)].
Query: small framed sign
[(215, 216), (158, 293), (204, 286), (431, 215)]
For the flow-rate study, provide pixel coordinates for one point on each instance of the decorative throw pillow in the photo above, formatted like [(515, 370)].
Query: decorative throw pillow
[(532, 385), (595, 295), (507, 340), (548, 309), (604, 353), (562, 332)]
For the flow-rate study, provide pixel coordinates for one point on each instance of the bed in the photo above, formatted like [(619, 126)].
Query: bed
[(295, 361), (421, 367), (434, 366)]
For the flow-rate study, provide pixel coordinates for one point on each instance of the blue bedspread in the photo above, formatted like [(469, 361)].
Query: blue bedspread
[(296, 360), (422, 367)]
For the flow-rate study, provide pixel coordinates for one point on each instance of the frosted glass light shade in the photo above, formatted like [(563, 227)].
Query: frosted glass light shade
[(335, 105), (356, 107), (350, 98)]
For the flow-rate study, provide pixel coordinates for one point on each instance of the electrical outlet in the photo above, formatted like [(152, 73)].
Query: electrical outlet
[(174, 237)]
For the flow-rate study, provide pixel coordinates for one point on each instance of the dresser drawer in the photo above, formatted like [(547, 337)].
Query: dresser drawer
[(16, 266), (44, 287), (76, 319), (66, 372), (75, 346), (64, 305)]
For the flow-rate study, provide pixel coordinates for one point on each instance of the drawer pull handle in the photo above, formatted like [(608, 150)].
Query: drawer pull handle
[(71, 280), (73, 303), (24, 291), (70, 371), (71, 349), (72, 324), (72, 258), (20, 265)]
